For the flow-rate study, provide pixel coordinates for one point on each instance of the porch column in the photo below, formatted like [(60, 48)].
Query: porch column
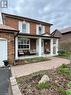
[(51, 46), (57, 46), (16, 48), (40, 49)]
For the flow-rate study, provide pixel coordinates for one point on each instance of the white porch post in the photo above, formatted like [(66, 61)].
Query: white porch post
[(51, 46), (16, 48), (40, 49), (57, 46)]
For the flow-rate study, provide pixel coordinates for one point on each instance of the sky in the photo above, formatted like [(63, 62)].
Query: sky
[(57, 12)]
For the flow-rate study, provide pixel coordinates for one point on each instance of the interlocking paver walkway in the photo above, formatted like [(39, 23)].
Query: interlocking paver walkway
[(22, 70)]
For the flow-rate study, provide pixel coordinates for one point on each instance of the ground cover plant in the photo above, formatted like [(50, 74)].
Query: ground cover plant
[(59, 84)]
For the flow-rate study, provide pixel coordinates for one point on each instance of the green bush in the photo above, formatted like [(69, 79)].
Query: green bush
[(68, 92), (69, 84), (65, 71), (63, 66), (61, 52), (43, 85), (64, 53), (61, 91)]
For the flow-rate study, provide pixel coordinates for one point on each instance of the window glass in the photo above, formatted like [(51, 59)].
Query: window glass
[(40, 29), (23, 44), (23, 27)]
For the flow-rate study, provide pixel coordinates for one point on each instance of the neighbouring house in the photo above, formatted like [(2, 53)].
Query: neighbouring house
[(65, 40), (22, 37)]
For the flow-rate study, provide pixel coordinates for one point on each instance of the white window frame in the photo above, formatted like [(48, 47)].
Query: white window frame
[(27, 26), (25, 44), (37, 29)]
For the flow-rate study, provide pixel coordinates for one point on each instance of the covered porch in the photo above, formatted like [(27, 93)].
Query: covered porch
[(28, 47)]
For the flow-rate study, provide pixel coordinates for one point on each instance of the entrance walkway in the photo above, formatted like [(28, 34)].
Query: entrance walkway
[(22, 70)]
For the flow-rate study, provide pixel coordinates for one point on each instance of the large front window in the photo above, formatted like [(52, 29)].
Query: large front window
[(23, 44)]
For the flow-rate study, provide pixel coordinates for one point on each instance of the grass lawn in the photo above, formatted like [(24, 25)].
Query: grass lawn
[(59, 84)]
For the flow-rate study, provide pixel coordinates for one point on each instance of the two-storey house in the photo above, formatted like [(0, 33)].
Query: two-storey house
[(22, 37)]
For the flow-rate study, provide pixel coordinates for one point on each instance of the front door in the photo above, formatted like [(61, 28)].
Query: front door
[(3, 51)]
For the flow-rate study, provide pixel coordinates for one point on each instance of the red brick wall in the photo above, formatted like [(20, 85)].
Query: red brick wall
[(11, 22), (10, 45), (15, 22)]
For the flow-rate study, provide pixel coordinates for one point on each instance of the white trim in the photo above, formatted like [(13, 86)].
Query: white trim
[(27, 26), (57, 40), (51, 47), (6, 57), (37, 29), (1, 22), (40, 49), (43, 29), (16, 48), (20, 26)]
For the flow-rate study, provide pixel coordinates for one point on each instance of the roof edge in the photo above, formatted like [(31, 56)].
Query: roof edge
[(26, 18)]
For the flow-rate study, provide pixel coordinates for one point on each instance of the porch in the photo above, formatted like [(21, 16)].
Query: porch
[(29, 47)]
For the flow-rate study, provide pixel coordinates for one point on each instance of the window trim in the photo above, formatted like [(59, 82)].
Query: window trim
[(27, 26), (37, 29), (24, 44)]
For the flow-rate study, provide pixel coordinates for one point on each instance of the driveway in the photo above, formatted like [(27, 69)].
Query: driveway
[(22, 70), (4, 80)]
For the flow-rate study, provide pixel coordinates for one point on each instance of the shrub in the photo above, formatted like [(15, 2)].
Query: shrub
[(61, 91), (63, 66), (69, 84), (43, 85), (64, 53), (68, 92), (61, 52), (65, 71)]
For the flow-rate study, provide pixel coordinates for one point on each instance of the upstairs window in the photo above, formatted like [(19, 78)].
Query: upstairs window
[(40, 29), (24, 27)]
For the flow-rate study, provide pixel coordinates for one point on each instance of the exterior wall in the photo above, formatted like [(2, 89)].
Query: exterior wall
[(15, 24), (10, 45), (11, 22), (66, 38), (33, 28), (47, 29), (65, 41)]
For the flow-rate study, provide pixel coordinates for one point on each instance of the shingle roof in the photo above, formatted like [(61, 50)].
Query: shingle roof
[(5, 27), (66, 30), (56, 33), (27, 19)]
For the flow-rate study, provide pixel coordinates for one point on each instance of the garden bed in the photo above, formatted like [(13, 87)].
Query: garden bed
[(31, 60), (59, 84)]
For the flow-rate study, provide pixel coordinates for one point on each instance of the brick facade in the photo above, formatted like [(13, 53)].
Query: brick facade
[(12, 22), (10, 45)]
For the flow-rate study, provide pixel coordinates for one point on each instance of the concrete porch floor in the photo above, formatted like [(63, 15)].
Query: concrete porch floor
[(22, 70)]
